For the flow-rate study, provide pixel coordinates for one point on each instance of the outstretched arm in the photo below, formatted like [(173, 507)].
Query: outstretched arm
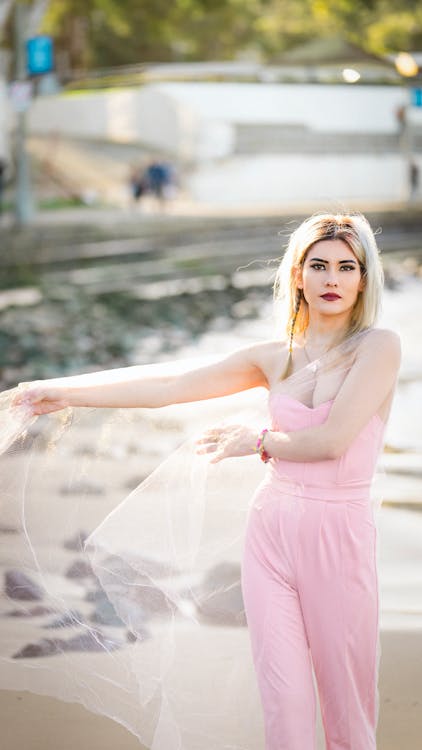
[(144, 386)]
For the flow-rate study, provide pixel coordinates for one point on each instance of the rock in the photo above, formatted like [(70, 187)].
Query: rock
[(134, 569), (134, 482), (219, 597), (105, 614), (82, 487), (79, 569), (90, 640), (21, 587), (96, 595), (221, 576), (45, 647), (140, 636), (76, 543), (153, 601), (223, 607), (69, 619), (8, 529), (37, 611)]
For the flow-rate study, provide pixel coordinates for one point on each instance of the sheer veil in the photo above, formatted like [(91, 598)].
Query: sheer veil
[(121, 558)]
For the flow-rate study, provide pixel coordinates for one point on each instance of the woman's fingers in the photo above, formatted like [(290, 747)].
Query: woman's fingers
[(38, 399)]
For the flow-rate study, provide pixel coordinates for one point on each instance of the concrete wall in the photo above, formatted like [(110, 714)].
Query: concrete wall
[(294, 179), (146, 116), (201, 123), (196, 120)]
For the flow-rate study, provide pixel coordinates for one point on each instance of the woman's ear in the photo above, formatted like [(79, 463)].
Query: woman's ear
[(298, 277)]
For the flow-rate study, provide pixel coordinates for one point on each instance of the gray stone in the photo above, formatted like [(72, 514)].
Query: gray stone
[(76, 542), (105, 614), (69, 619), (79, 569), (90, 640), (82, 487), (20, 586), (37, 611)]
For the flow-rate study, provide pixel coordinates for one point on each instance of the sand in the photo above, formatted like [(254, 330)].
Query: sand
[(33, 722)]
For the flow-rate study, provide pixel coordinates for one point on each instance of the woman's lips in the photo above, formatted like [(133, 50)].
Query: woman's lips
[(330, 297)]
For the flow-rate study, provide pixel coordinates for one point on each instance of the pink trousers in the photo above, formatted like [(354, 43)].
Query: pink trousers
[(310, 588)]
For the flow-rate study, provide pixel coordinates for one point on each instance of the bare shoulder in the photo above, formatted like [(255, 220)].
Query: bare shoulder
[(383, 337), (384, 343), (270, 356)]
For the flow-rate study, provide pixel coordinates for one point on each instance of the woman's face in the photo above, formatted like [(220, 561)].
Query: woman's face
[(330, 278)]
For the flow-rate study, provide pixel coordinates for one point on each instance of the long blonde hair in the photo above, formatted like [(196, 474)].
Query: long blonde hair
[(356, 231)]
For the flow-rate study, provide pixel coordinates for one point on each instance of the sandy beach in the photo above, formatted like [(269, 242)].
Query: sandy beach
[(37, 722)]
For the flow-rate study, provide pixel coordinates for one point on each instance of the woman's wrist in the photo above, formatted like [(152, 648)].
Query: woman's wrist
[(260, 448)]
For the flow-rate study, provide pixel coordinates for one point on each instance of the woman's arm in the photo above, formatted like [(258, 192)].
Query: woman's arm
[(141, 386), (366, 387)]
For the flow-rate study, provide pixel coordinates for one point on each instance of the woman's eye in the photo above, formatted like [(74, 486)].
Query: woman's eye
[(347, 268), (318, 266)]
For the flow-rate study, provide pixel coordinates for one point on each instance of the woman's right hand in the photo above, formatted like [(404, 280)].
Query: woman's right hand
[(40, 397)]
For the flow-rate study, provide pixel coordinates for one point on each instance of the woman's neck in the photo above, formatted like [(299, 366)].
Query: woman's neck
[(325, 335)]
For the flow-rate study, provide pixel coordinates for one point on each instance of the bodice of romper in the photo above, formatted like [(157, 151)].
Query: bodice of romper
[(352, 471)]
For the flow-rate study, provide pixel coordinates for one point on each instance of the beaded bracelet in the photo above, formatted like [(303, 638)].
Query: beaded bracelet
[(264, 456)]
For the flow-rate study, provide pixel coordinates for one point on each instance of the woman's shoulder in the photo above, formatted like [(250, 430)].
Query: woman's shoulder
[(384, 337), (270, 356), (382, 342)]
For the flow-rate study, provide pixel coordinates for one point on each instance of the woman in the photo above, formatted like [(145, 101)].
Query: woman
[(309, 576)]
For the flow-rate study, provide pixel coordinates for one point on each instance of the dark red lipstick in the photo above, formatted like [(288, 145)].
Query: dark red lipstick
[(330, 297)]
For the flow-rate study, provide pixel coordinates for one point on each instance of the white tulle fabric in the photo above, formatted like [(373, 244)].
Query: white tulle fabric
[(140, 553)]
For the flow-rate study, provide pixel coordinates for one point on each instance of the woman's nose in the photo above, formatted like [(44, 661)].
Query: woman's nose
[(331, 278)]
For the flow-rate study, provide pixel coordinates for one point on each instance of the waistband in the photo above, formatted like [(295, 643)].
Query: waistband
[(340, 493)]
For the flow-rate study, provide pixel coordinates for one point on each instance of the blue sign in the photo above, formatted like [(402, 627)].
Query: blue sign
[(39, 55), (416, 97)]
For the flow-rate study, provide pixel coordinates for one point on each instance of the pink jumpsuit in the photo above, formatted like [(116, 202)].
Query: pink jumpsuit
[(310, 588)]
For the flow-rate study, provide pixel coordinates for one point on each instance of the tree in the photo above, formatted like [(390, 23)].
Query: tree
[(103, 33)]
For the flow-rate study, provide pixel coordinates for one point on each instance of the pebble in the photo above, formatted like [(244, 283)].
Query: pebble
[(105, 614), (82, 487), (37, 611), (79, 569), (219, 597), (91, 640), (72, 618), (20, 586), (76, 542)]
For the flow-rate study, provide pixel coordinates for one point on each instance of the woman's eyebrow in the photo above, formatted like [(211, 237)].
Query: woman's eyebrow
[(320, 260)]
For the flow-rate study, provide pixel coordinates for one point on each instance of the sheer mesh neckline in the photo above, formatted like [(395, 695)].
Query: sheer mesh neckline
[(274, 392)]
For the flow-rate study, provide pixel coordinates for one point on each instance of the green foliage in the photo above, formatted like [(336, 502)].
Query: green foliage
[(104, 33)]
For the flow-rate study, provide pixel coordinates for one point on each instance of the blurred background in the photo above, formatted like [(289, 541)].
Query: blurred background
[(154, 158), (148, 151)]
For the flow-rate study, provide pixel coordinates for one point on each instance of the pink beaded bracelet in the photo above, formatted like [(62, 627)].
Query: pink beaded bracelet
[(264, 456)]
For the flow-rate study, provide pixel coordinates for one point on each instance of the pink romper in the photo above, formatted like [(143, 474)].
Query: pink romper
[(310, 588)]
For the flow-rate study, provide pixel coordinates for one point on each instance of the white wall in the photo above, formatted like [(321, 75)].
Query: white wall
[(196, 122), (292, 179), (337, 108), (145, 115)]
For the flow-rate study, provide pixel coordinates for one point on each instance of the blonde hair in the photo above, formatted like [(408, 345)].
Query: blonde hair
[(355, 230)]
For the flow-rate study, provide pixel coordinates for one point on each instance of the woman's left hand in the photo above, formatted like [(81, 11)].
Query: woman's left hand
[(227, 442)]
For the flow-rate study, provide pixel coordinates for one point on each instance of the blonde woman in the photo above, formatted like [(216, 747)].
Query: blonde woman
[(309, 577)]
